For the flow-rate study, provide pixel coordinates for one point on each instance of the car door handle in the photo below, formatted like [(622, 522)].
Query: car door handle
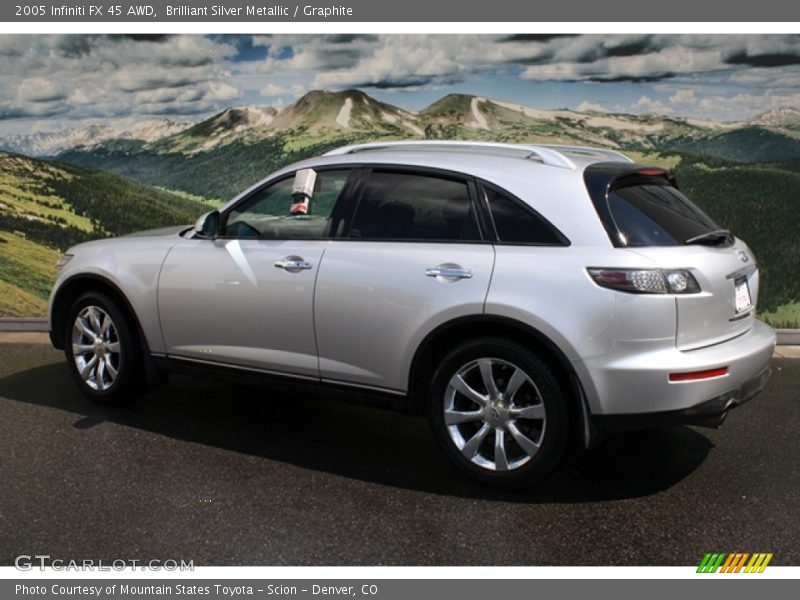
[(292, 264), (446, 272)]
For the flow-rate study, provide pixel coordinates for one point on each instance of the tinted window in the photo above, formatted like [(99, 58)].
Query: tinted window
[(404, 206), (265, 214), (656, 215), (515, 223)]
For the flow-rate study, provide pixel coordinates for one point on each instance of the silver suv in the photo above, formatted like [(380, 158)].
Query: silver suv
[(526, 298)]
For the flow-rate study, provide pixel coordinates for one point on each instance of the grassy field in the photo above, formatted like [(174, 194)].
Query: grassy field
[(47, 206), (23, 190), (27, 271)]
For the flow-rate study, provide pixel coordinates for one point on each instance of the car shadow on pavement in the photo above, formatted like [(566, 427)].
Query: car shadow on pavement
[(358, 442)]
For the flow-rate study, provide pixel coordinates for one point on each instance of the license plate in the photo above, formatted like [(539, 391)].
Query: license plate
[(742, 296)]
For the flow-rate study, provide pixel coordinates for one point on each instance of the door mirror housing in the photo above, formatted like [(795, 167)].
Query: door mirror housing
[(207, 226)]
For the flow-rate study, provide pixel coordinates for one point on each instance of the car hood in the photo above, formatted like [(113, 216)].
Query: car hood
[(163, 233), (160, 232)]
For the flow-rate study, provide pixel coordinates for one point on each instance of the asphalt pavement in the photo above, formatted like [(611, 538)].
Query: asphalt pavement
[(223, 474)]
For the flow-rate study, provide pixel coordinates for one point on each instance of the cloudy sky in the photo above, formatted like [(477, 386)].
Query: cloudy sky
[(49, 82)]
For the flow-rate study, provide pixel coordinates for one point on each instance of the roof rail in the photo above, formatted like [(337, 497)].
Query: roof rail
[(548, 155)]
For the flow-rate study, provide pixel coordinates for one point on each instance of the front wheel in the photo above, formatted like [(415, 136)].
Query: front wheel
[(101, 350), (499, 412)]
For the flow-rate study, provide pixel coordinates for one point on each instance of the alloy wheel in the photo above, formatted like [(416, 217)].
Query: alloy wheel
[(96, 348), (494, 414)]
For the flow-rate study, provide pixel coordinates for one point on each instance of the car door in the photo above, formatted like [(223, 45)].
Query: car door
[(245, 298), (411, 258)]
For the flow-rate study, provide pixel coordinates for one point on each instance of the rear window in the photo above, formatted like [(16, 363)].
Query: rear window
[(655, 215), (516, 224)]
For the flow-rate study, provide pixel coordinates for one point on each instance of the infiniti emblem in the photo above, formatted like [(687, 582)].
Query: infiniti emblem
[(495, 414), (742, 256)]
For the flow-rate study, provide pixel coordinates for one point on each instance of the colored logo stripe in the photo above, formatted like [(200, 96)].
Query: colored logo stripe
[(711, 562), (758, 563), (734, 562)]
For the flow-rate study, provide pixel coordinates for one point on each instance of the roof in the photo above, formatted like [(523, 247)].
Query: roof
[(548, 154)]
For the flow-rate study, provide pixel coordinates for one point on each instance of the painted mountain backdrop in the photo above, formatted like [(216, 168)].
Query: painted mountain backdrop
[(102, 180)]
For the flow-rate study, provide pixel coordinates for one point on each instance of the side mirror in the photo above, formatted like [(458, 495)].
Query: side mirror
[(207, 226)]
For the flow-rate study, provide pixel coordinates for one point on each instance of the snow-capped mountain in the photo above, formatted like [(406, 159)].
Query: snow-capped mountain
[(785, 116), (51, 143), (46, 143), (153, 130)]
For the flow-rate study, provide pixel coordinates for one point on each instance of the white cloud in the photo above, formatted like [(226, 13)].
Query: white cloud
[(667, 62), (784, 78), (649, 106), (588, 106), (272, 90), (683, 96), (414, 61), (88, 76), (714, 106), (388, 60), (219, 90), (40, 90)]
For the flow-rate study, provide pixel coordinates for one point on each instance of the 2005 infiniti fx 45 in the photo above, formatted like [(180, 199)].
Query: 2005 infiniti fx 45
[(526, 298)]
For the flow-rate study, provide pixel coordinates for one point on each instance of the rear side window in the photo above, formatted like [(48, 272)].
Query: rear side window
[(516, 224), (656, 215), (411, 206)]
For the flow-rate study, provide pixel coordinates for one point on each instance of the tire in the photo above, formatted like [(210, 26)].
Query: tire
[(470, 421), (101, 350)]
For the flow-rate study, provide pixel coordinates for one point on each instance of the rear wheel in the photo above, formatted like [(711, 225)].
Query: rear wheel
[(101, 351), (499, 412)]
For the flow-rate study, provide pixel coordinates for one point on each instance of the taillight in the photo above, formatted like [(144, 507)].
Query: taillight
[(646, 281)]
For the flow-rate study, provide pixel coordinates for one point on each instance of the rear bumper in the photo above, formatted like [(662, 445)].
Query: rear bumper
[(633, 379), (711, 413)]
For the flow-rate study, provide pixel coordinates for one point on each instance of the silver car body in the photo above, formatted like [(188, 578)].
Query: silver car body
[(361, 311)]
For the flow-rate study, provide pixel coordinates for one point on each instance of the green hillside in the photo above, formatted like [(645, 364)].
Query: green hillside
[(47, 206), (747, 145), (220, 173)]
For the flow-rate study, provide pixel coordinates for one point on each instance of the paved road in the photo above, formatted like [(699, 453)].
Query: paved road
[(220, 474)]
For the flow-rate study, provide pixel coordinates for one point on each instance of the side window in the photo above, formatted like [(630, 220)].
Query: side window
[(265, 214), (409, 206), (517, 224)]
